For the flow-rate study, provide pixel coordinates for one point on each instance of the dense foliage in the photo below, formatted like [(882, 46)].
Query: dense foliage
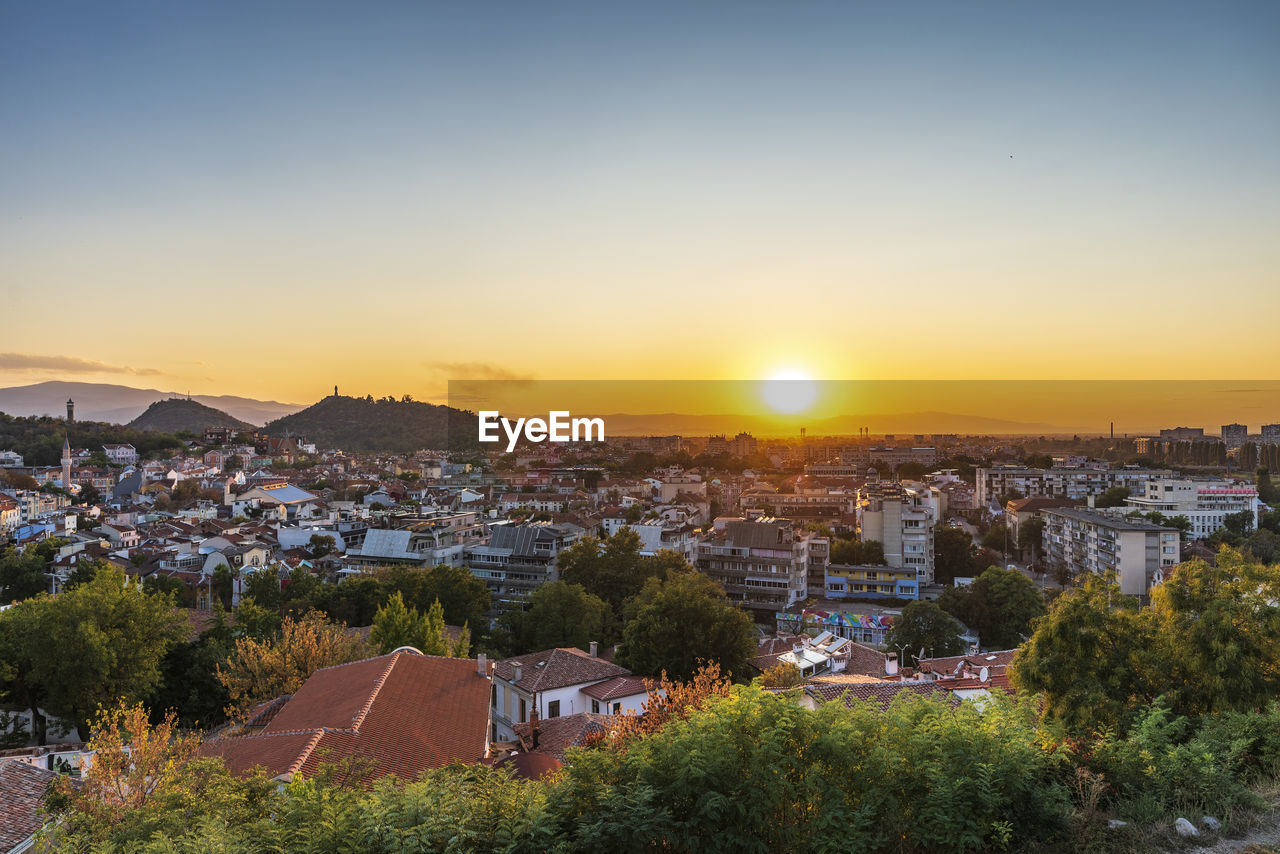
[(388, 424), (179, 413), (39, 438)]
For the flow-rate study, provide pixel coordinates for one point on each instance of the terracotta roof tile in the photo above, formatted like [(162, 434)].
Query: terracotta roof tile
[(557, 668), (22, 788), (619, 686), (403, 712), (556, 735)]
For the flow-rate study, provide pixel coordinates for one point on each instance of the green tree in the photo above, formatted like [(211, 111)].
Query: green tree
[(563, 615), (1002, 605), (997, 538), (396, 625), (952, 555), (1031, 537), (321, 545), (89, 495), (353, 601), (676, 625), (612, 569), (97, 644), (1267, 491), (1088, 657), (85, 571), (858, 552), (1113, 497), (1240, 523), (21, 575), (924, 626)]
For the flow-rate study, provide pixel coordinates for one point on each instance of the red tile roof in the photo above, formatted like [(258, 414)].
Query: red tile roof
[(403, 713), (22, 787), (619, 686), (556, 735), (556, 668)]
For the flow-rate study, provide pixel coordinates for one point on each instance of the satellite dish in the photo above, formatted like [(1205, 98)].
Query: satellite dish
[(984, 674)]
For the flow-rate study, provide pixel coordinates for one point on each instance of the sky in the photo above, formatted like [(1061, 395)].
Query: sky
[(268, 199)]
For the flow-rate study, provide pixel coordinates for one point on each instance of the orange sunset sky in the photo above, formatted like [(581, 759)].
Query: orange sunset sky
[(270, 200)]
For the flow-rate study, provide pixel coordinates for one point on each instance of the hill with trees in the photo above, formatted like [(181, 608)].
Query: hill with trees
[(39, 438), (180, 413), (388, 424)]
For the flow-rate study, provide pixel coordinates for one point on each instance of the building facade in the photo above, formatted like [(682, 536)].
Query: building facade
[(1136, 553)]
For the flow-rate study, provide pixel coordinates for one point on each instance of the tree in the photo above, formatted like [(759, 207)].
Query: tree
[(924, 626), (1267, 491), (21, 575), (97, 644), (782, 675), (261, 670), (952, 555), (89, 495), (612, 569), (679, 624), (1219, 628), (396, 625), (1240, 523), (1031, 536), (85, 571), (1038, 461), (997, 538), (354, 601), (321, 545), (1113, 497), (562, 615), (1002, 605), (189, 685), (1087, 657)]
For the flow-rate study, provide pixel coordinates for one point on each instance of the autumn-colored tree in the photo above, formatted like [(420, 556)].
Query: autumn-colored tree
[(670, 700), (782, 675), (131, 760), (261, 669)]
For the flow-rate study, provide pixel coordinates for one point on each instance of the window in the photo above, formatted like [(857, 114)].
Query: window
[(553, 709), (617, 708), (524, 716), (595, 707)]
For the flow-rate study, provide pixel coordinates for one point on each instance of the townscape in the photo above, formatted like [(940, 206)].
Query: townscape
[(294, 612)]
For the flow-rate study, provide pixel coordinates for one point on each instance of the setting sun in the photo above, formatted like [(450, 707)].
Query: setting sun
[(789, 392)]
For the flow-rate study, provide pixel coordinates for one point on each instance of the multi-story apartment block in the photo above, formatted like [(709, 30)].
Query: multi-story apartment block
[(518, 558), (1206, 504), (1271, 434), (763, 563), (657, 536), (1234, 435), (1136, 553), (423, 541), (1182, 433), (901, 518), (1074, 482), (871, 582), (809, 504)]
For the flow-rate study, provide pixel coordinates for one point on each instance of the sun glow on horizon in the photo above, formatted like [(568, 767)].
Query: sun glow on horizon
[(789, 392)]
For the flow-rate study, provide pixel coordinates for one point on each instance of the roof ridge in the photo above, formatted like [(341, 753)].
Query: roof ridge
[(377, 686), (305, 753)]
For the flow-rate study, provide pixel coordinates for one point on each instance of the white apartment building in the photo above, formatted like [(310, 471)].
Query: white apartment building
[(10, 460), (901, 517), (1205, 503), (1074, 482), (1136, 553)]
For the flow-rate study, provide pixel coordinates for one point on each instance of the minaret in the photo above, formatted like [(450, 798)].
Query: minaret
[(71, 410), (66, 464)]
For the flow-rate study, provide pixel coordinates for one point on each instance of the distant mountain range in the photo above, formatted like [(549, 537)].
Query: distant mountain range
[(119, 404), (365, 424), (178, 413)]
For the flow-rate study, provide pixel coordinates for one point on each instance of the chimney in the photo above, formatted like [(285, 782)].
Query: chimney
[(595, 649), (482, 664), (533, 726), (515, 665), (891, 664)]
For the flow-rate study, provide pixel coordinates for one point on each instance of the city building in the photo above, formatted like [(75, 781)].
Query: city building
[(1205, 504), (901, 517), (1182, 433), (871, 582), (1136, 553), (10, 460), (1271, 434), (763, 563), (518, 558), (1074, 482), (1234, 435)]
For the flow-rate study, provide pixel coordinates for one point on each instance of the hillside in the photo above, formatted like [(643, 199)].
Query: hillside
[(120, 404), (365, 424), (179, 413)]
